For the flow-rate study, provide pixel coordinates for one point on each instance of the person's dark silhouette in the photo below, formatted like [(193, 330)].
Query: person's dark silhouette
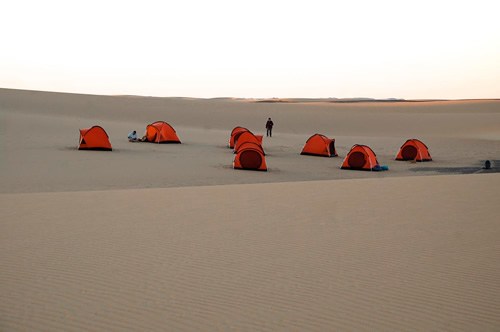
[(269, 127), (487, 164)]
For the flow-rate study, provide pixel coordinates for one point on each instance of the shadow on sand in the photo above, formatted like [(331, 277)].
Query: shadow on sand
[(495, 168)]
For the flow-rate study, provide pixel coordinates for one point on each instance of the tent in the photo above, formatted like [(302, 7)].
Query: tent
[(235, 133), (250, 157), (360, 157), (413, 149), (254, 145), (94, 138), (161, 132), (320, 145), (245, 137)]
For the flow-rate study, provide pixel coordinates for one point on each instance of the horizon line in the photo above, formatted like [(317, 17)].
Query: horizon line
[(265, 99)]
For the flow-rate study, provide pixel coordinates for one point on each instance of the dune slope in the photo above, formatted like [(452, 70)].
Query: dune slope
[(410, 253)]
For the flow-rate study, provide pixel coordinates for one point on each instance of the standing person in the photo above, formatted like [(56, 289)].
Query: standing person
[(269, 127)]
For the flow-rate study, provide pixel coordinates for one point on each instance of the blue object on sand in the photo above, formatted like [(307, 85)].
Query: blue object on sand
[(379, 168)]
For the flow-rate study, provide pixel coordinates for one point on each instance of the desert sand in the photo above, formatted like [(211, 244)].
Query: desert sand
[(170, 237)]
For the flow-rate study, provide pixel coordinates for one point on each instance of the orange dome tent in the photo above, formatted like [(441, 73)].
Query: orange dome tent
[(360, 157), (94, 138), (245, 137), (319, 145), (161, 132), (413, 149), (254, 145), (235, 133), (249, 156)]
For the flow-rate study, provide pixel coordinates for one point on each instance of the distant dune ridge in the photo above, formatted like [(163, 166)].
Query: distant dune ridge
[(358, 100), (170, 237)]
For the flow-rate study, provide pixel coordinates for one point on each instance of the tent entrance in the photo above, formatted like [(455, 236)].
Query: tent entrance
[(250, 159), (332, 148), (409, 152), (357, 160)]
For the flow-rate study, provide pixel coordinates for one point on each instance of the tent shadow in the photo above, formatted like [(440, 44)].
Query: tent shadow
[(456, 170)]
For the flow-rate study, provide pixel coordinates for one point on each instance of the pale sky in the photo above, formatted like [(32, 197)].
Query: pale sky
[(230, 48)]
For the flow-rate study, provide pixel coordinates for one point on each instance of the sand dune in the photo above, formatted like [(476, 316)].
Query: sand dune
[(169, 237), (40, 135), (414, 253)]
